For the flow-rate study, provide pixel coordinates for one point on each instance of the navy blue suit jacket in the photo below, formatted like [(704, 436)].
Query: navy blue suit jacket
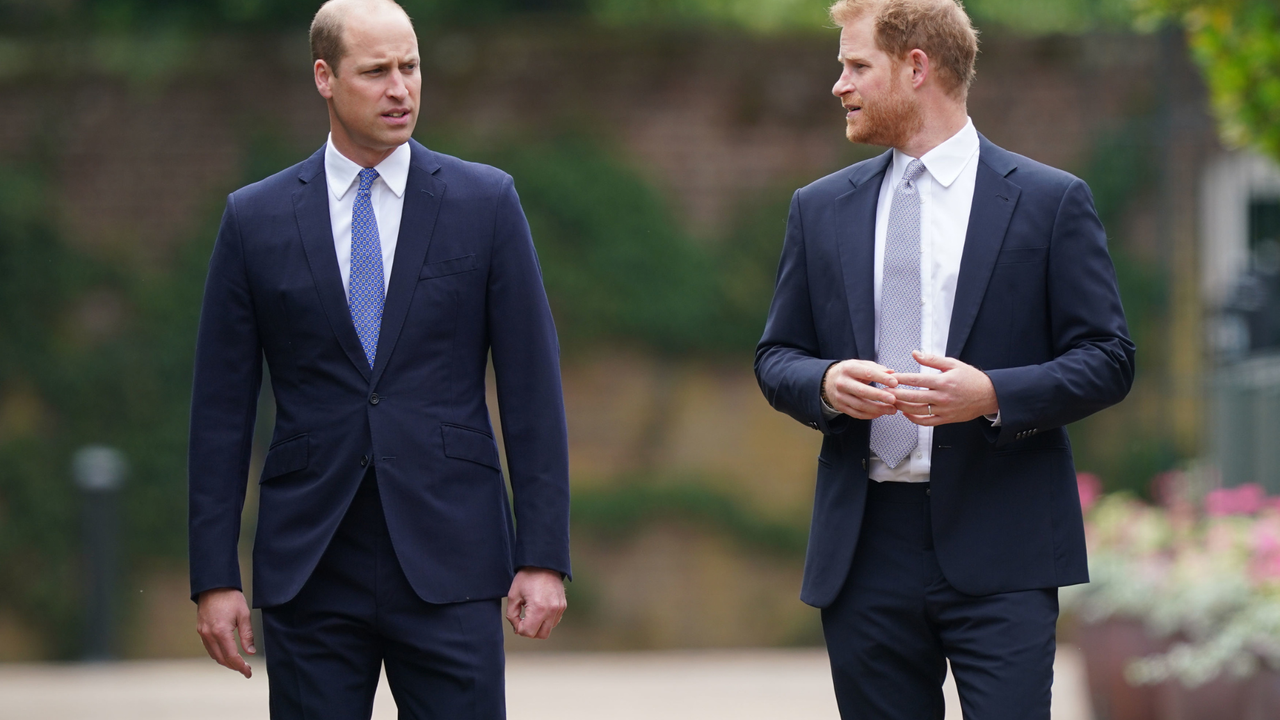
[(465, 284), (1036, 307)]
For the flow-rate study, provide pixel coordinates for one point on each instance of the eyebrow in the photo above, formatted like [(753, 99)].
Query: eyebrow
[(385, 62)]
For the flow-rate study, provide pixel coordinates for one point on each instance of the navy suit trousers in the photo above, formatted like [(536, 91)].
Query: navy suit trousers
[(897, 621), (326, 647)]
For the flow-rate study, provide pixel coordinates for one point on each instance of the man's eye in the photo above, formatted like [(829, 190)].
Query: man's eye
[(411, 67)]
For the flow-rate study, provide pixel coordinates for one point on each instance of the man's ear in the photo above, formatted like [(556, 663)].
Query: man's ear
[(919, 63), (324, 77)]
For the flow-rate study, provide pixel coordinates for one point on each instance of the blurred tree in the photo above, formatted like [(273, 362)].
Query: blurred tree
[(1237, 45)]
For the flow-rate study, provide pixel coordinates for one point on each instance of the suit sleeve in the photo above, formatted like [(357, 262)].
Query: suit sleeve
[(788, 365), (526, 363), (1093, 366), (224, 403)]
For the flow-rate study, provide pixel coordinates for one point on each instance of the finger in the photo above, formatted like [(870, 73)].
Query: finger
[(532, 623), (514, 606), (907, 408), (930, 381), (855, 388), (926, 420), (938, 362), (864, 410), (231, 659), (212, 649), (916, 397), (245, 626), (863, 372)]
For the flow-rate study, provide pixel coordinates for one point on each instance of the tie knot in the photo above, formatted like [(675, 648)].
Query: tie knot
[(914, 170), (367, 176)]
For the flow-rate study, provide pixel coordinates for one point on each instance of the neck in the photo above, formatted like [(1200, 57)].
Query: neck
[(361, 155), (941, 121)]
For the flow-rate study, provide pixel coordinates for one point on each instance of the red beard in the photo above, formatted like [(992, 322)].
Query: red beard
[(889, 121)]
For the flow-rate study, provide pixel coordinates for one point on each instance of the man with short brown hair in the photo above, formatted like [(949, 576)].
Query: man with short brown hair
[(376, 279), (942, 311)]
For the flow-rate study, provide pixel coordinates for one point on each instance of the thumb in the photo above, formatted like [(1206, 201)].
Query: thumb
[(938, 362), (245, 624)]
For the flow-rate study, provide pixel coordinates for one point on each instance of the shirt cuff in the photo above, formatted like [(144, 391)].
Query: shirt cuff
[(995, 419), (828, 412)]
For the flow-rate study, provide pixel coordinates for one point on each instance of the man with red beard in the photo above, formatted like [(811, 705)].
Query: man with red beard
[(942, 312)]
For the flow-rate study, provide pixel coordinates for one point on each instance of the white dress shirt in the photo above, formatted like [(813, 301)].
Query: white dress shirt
[(946, 198), (387, 196)]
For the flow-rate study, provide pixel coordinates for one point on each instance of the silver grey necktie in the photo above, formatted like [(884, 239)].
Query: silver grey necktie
[(893, 437)]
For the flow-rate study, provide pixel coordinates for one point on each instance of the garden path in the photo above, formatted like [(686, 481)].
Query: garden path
[(683, 685)]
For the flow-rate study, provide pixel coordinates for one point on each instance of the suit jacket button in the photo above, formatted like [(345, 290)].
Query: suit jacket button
[(364, 461), (864, 463), (374, 399)]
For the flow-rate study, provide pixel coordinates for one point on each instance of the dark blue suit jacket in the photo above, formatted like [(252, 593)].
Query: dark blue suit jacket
[(1036, 307), (465, 284)]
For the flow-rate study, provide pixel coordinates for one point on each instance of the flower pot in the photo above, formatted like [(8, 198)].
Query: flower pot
[(1108, 647), (1215, 700), (1262, 696)]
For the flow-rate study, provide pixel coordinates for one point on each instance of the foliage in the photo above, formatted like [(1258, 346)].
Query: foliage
[(1122, 162), (1237, 45), (1026, 16), (252, 15), (617, 267), (1206, 573), (642, 501), (97, 354), (1023, 16)]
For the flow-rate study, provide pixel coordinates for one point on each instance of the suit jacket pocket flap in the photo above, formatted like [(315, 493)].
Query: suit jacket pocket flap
[(473, 445), (286, 456), (1011, 256), (448, 267)]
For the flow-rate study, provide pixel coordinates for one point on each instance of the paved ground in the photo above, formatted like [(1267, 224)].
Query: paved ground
[(743, 685)]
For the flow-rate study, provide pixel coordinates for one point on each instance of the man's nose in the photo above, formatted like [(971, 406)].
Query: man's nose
[(841, 87), (397, 89)]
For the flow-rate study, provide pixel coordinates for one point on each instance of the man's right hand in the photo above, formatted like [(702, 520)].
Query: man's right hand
[(848, 388), (219, 615)]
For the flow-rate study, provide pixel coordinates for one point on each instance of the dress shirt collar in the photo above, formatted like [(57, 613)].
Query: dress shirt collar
[(341, 172), (945, 161)]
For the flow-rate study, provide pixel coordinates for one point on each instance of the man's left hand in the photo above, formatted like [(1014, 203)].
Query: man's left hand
[(958, 394), (536, 602)]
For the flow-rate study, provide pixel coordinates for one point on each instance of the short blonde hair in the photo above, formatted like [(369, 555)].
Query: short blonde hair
[(941, 28)]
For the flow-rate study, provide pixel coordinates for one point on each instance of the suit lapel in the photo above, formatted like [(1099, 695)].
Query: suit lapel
[(856, 239), (423, 195), (994, 198), (311, 209)]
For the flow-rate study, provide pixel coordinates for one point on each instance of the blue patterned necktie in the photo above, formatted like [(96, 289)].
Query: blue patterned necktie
[(893, 437), (367, 294)]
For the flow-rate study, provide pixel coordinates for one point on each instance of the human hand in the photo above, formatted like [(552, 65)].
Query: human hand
[(959, 393), (535, 602), (848, 388), (219, 614)]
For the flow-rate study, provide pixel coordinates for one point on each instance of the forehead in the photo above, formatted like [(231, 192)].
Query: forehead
[(377, 34), (857, 39)]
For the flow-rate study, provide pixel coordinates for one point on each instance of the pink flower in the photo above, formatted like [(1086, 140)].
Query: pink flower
[(1246, 499), (1090, 489)]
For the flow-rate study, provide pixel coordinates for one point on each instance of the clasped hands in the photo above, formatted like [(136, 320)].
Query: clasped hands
[(959, 393)]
